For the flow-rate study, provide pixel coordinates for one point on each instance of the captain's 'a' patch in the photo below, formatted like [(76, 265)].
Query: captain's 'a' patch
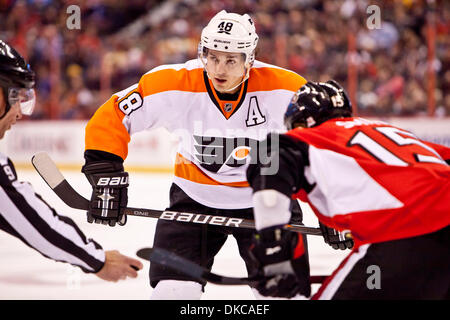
[(254, 114)]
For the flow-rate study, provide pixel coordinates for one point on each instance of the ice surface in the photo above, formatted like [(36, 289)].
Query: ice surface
[(25, 274)]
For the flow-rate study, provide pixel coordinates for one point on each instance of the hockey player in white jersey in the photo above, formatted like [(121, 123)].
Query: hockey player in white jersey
[(221, 105)]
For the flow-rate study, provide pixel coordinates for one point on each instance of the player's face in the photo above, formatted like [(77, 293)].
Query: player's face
[(10, 118), (225, 70)]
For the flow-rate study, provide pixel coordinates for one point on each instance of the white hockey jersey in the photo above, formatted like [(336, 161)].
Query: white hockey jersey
[(216, 136)]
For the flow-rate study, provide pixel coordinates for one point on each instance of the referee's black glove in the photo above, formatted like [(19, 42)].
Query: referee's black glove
[(109, 192), (337, 240)]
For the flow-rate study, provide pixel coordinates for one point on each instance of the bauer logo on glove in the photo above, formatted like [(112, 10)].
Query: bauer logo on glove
[(114, 181)]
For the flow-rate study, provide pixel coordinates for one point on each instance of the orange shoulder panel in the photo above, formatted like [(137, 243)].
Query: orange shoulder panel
[(105, 130), (172, 79), (267, 79)]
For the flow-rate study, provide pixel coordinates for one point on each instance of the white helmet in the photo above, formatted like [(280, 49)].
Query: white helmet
[(230, 32)]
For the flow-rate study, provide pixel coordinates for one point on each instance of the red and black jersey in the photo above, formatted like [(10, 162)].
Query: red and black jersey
[(376, 180)]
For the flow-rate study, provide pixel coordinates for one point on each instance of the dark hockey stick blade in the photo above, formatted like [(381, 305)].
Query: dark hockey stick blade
[(48, 170), (177, 263)]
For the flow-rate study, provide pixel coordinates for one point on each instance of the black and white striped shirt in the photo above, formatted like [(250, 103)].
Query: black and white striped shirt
[(25, 215)]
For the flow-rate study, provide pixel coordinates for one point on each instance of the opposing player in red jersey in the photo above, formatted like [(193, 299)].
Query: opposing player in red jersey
[(385, 185)]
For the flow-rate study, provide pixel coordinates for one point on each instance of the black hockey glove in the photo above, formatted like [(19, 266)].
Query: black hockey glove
[(282, 263), (109, 194), (337, 240)]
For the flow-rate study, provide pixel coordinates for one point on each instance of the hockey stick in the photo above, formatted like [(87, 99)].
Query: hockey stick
[(177, 263), (47, 169)]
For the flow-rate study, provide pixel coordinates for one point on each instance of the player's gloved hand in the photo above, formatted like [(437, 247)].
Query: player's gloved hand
[(281, 260), (109, 194), (337, 240)]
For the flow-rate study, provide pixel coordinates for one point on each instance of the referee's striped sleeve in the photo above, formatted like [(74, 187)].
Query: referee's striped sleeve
[(25, 214)]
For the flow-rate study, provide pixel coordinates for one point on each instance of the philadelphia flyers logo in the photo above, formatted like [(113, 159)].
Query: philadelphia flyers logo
[(216, 153)]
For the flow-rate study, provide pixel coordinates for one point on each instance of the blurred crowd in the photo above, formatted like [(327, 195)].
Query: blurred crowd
[(118, 41)]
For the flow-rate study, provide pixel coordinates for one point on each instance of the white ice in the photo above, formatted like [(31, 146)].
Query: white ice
[(25, 274)]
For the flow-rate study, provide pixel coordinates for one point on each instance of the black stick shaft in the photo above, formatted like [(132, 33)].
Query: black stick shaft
[(211, 219)]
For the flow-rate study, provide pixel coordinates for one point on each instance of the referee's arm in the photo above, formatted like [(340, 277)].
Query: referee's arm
[(25, 215)]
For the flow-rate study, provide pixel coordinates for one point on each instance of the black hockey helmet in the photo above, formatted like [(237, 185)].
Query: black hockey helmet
[(317, 102), (16, 79), (14, 71)]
